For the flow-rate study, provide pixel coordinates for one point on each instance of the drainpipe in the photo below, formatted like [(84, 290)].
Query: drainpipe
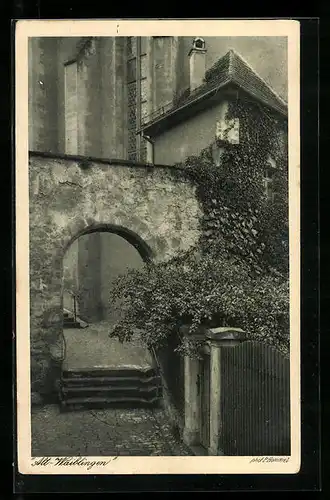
[(148, 138)]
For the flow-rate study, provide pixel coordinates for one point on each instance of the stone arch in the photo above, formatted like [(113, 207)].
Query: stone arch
[(98, 309), (81, 226), (132, 237), (52, 321), (148, 207)]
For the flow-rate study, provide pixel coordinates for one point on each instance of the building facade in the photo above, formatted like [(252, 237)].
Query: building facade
[(88, 95), (137, 99)]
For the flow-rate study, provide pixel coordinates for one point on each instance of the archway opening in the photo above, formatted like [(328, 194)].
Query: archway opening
[(91, 263)]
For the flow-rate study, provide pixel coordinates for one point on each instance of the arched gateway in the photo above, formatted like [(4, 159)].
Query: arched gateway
[(150, 206)]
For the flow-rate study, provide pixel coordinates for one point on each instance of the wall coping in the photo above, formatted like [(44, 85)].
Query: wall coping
[(225, 333), (105, 161)]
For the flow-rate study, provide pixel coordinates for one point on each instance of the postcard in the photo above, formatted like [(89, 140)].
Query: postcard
[(158, 246)]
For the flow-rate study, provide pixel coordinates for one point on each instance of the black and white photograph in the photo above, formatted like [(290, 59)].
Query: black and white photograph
[(157, 172)]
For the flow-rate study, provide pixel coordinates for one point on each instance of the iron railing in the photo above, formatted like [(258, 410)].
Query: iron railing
[(75, 299), (157, 113)]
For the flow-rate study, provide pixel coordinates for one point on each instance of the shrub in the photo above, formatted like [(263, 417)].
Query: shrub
[(208, 290)]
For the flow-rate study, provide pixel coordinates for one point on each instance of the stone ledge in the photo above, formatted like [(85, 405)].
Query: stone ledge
[(88, 160), (225, 333)]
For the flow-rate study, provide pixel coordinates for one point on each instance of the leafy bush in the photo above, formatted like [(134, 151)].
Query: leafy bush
[(195, 290)]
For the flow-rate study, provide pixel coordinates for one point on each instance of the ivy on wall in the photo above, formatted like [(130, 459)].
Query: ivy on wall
[(238, 275), (238, 217)]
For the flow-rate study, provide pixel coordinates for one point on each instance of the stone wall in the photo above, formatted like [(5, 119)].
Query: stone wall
[(150, 206)]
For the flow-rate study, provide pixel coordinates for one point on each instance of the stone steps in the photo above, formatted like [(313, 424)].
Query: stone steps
[(109, 372), (101, 388), (76, 404), (70, 322), (97, 390), (115, 382)]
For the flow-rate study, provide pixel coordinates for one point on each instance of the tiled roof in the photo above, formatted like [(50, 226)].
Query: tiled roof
[(245, 76), (231, 68)]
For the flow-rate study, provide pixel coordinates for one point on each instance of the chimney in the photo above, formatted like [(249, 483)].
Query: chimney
[(197, 63)]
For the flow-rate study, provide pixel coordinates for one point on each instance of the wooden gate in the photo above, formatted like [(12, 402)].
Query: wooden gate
[(205, 401), (255, 407)]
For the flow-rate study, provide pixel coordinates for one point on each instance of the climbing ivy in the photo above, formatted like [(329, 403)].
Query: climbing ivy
[(238, 218), (238, 274)]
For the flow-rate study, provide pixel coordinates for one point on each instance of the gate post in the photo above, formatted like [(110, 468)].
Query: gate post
[(192, 411), (219, 339), (191, 397)]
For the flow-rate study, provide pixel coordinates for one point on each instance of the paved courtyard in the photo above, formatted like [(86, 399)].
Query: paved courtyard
[(92, 348), (110, 432)]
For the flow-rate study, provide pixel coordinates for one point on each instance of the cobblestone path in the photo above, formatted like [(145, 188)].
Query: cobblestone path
[(110, 432)]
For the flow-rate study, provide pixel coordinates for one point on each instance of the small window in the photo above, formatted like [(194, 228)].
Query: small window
[(228, 131), (269, 184), (271, 162)]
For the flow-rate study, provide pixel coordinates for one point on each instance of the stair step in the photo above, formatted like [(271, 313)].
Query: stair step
[(110, 381), (69, 319), (113, 401), (108, 372), (122, 391), (72, 324)]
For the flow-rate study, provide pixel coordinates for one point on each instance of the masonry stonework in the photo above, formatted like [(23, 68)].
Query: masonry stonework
[(69, 198)]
